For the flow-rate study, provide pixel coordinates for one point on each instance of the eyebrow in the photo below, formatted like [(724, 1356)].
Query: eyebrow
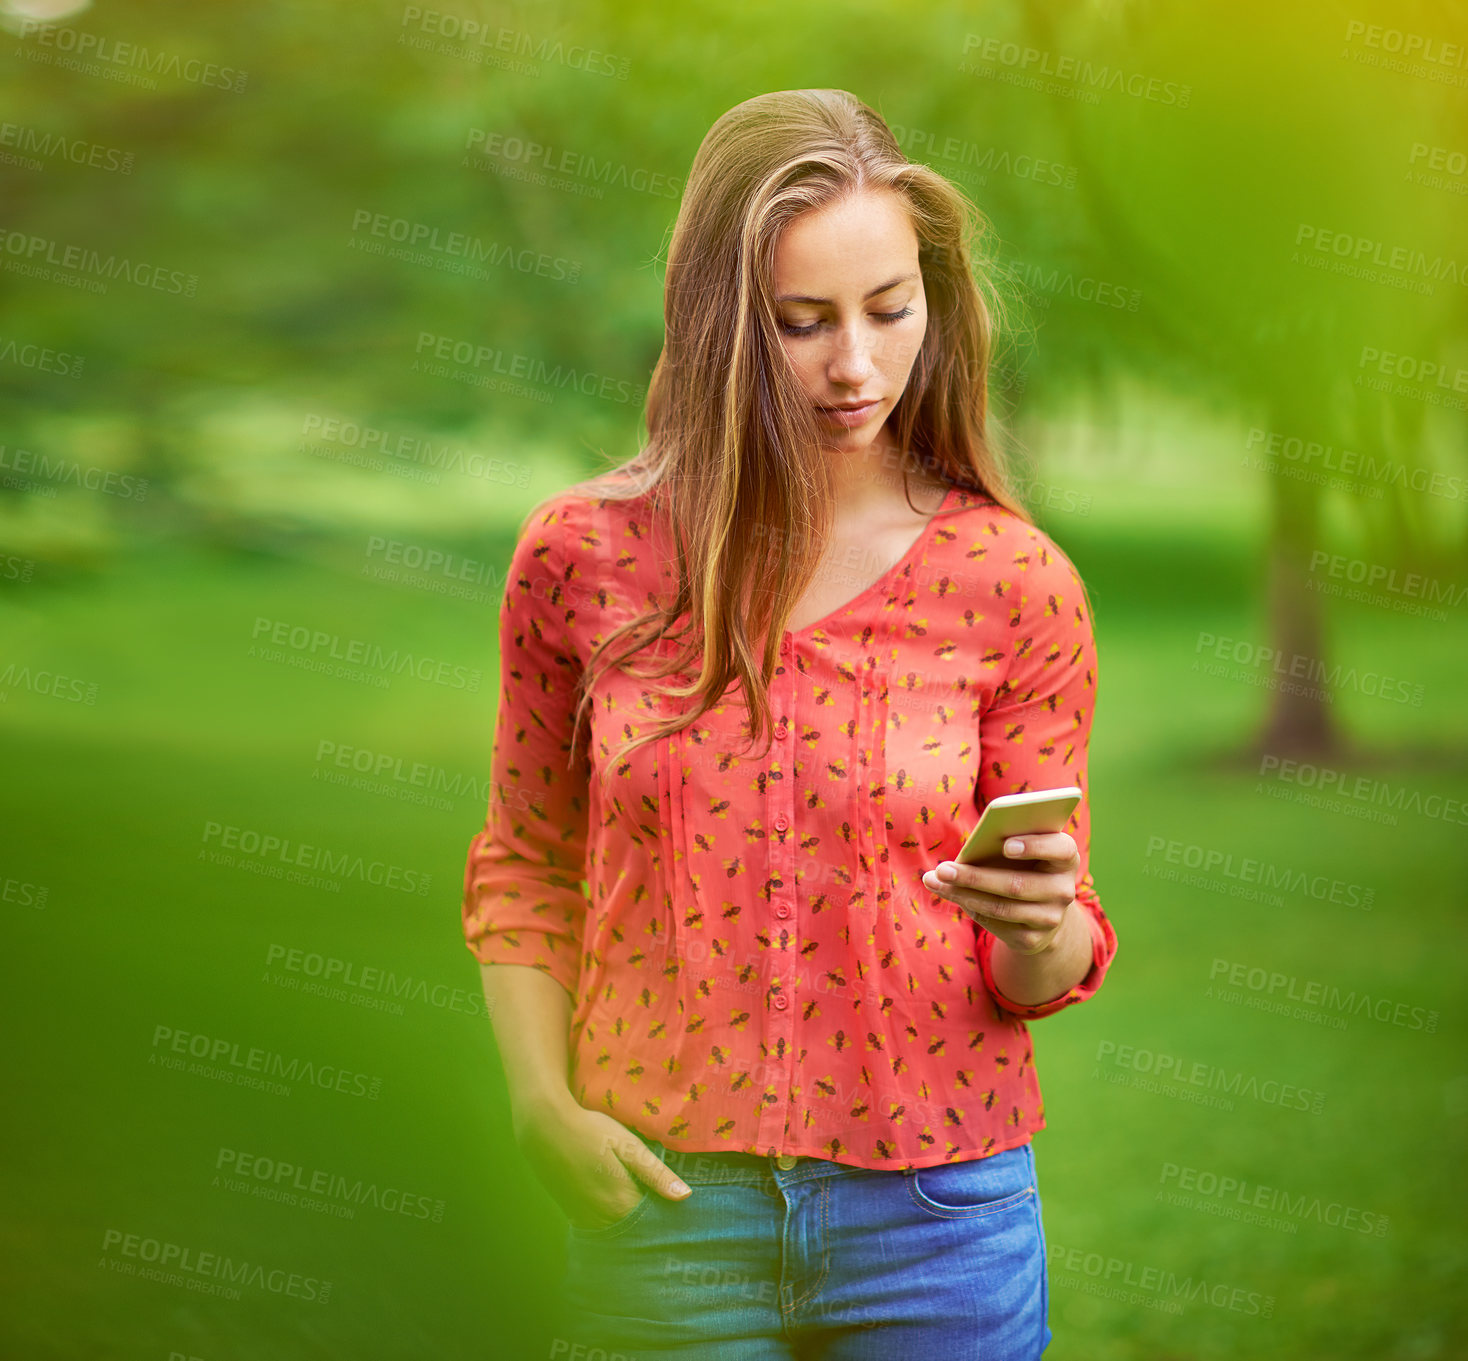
[(901, 279)]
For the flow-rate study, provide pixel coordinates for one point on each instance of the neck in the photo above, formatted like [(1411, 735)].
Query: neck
[(874, 475)]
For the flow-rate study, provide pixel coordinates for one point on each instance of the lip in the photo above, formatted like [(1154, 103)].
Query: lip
[(850, 414)]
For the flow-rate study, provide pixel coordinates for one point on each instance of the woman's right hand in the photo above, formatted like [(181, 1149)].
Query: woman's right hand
[(590, 1164)]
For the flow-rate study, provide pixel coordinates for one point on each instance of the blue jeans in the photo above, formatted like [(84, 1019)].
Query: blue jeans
[(820, 1262)]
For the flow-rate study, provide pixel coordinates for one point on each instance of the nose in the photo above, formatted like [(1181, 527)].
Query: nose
[(849, 363)]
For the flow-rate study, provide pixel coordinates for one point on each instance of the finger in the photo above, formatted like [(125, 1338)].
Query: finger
[(993, 880), (1005, 917), (984, 910), (653, 1171), (1056, 847)]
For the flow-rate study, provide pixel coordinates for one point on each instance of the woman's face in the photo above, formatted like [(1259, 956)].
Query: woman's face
[(852, 312)]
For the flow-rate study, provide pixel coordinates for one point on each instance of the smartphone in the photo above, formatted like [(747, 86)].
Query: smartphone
[(1007, 815)]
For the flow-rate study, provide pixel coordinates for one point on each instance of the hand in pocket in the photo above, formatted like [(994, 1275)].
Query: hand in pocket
[(592, 1165)]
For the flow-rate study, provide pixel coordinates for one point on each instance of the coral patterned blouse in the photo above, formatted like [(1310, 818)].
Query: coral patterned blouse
[(754, 961)]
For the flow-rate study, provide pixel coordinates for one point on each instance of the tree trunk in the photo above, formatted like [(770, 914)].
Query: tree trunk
[(1300, 722)]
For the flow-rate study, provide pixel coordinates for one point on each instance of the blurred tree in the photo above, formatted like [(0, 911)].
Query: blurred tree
[(1219, 226)]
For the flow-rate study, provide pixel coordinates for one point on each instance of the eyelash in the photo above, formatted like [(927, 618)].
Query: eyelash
[(886, 318)]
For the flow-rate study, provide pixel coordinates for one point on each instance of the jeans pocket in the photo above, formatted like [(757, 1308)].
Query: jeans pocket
[(617, 1226), (978, 1186)]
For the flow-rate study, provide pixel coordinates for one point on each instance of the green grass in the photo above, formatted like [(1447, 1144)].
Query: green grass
[(107, 807)]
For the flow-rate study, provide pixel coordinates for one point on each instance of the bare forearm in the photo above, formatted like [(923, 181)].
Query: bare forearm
[(531, 1013), (1033, 979)]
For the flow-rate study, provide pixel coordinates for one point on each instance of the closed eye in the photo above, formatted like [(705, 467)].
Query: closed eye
[(886, 318)]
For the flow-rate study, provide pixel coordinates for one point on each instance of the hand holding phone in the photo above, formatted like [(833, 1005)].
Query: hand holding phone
[(1026, 902), (1007, 815)]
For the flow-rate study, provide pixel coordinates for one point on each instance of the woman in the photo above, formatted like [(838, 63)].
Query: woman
[(757, 683)]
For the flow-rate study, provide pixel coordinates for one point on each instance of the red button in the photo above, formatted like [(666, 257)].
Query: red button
[(783, 910), (781, 1002), (785, 645), (781, 822), (782, 730)]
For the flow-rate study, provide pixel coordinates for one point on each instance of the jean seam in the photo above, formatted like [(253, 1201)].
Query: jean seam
[(972, 1212), (1044, 1274), (938, 1210), (825, 1250), (612, 1230), (1044, 1261)]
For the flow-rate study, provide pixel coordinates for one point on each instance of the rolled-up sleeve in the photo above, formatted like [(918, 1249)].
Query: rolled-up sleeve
[(523, 900), (1036, 732)]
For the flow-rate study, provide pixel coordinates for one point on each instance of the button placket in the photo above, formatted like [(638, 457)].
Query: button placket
[(780, 810), (675, 750)]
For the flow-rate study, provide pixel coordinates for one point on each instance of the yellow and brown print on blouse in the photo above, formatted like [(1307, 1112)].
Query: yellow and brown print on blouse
[(755, 963)]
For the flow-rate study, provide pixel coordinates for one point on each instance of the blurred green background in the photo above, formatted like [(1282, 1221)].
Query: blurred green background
[(306, 304)]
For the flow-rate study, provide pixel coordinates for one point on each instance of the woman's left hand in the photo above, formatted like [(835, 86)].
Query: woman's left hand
[(1023, 905)]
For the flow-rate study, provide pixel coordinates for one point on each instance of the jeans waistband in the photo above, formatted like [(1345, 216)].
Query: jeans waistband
[(719, 1168)]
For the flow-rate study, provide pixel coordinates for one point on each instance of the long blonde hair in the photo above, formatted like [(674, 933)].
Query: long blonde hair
[(733, 441)]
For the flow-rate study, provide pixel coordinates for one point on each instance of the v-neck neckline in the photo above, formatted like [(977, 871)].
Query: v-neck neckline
[(912, 549)]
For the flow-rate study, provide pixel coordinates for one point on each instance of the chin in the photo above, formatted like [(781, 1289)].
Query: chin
[(850, 441), (866, 434)]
